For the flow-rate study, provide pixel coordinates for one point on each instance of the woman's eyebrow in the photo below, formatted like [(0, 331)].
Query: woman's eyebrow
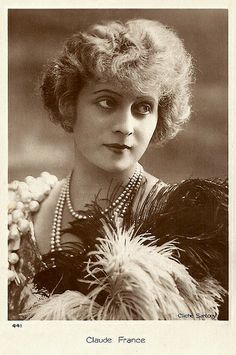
[(107, 91)]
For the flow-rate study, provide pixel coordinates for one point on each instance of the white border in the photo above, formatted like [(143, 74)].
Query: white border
[(162, 337)]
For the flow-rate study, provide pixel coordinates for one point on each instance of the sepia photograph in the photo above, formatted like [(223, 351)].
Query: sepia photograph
[(118, 164)]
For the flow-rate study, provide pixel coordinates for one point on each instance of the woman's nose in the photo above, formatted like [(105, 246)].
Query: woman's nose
[(124, 123)]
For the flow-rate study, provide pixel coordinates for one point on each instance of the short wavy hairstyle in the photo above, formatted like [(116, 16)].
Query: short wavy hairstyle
[(140, 54)]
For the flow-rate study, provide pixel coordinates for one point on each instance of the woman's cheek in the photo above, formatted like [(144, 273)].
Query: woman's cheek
[(147, 131)]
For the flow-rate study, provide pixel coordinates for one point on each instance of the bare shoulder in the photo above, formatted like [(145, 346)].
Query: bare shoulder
[(152, 181), (51, 200), (44, 218), (149, 182)]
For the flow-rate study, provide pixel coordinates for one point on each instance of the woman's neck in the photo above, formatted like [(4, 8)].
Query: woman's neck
[(88, 180)]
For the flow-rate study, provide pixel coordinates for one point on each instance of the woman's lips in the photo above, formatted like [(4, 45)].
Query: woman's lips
[(117, 148)]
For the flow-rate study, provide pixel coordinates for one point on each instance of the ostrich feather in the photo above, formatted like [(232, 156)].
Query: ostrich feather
[(144, 281), (70, 305), (130, 278), (167, 256), (194, 212)]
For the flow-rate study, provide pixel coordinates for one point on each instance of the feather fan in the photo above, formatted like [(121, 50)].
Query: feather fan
[(168, 256)]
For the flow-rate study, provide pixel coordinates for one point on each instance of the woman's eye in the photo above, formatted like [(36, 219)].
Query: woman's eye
[(106, 103), (143, 109)]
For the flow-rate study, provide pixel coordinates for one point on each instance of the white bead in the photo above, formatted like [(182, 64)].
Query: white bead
[(20, 205), (16, 215), (14, 232), (11, 275), (40, 180), (45, 174), (26, 196), (23, 225), (11, 244), (35, 186), (9, 219), (34, 206), (13, 258), (52, 180), (29, 179), (13, 185), (14, 245), (22, 186), (38, 196), (11, 195), (11, 205), (46, 188)]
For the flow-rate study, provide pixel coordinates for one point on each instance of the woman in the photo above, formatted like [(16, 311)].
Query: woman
[(112, 241)]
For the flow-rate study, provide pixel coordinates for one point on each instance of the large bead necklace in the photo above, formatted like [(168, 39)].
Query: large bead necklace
[(24, 200), (116, 208)]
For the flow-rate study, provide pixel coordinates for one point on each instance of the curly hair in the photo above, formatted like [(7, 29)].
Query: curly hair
[(139, 54)]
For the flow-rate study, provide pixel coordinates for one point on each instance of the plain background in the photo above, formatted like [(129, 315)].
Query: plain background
[(35, 144)]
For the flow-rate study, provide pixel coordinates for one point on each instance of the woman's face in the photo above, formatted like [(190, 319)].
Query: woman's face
[(113, 127)]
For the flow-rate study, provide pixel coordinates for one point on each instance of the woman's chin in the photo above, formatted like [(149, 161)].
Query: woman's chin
[(116, 166)]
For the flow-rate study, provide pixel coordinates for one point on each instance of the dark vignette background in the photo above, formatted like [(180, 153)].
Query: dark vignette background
[(36, 145)]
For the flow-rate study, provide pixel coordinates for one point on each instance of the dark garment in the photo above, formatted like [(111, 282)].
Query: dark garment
[(192, 213)]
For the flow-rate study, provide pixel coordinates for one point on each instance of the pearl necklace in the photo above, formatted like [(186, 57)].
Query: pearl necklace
[(119, 203), (56, 226), (116, 208)]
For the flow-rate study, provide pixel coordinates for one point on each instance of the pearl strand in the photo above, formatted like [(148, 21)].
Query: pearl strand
[(127, 190), (57, 222), (69, 203), (119, 206)]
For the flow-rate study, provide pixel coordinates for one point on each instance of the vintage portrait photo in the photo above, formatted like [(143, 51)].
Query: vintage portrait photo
[(118, 165)]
